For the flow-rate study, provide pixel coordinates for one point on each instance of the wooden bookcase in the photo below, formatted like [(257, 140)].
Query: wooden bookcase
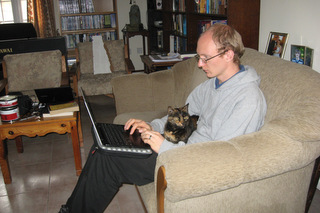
[(243, 15), (79, 20)]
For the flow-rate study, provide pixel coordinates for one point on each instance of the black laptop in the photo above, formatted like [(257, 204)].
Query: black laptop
[(113, 139)]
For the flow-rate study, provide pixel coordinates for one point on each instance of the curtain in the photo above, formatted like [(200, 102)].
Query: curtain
[(41, 15)]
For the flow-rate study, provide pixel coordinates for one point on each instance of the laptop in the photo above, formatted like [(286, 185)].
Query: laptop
[(56, 95), (113, 139)]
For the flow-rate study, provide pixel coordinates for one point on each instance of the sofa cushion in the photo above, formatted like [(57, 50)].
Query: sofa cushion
[(115, 52)]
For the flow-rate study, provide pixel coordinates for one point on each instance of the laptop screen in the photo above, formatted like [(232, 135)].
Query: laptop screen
[(57, 95)]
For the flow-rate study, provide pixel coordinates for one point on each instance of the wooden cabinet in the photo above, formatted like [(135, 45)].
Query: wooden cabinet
[(81, 19), (182, 19)]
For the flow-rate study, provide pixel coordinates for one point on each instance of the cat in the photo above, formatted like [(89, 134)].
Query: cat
[(180, 124)]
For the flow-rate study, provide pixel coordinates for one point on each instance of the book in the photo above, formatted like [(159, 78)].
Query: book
[(66, 107), (62, 114)]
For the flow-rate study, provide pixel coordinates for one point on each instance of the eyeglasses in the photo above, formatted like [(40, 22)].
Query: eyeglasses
[(205, 60)]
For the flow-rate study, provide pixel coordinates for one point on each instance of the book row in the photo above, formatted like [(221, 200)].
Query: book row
[(73, 40), (203, 25), (178, 44), (72, 6), (179, 5), (88, 22), (211, 6), (179, 24)]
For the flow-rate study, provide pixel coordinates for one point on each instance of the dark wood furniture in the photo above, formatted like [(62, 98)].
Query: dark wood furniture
[(151, 66), (243, 15), (145, 35), (38, 127)]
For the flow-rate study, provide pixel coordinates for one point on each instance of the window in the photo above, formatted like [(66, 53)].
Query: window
[(13, 11)]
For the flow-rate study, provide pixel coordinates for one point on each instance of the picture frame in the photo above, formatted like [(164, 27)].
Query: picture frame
[(276, 44), (301, 55)]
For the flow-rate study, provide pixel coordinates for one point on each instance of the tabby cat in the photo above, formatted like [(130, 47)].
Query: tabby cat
[(180, 124)]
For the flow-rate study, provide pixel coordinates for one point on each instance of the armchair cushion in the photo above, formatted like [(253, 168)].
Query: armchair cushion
[(115, 53), (98, 84)]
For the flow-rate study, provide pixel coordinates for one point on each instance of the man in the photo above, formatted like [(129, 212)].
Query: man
[(229, 104)]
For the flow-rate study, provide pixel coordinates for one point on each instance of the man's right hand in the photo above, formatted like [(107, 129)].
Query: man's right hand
[(141, 125)]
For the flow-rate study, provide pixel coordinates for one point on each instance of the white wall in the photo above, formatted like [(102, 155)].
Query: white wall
[(299, 18)]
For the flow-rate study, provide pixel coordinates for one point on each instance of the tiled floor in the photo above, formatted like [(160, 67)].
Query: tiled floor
[(44, 175)]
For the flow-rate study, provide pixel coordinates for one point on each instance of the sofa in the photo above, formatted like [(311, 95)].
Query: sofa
[(266, 171), (99, 84)]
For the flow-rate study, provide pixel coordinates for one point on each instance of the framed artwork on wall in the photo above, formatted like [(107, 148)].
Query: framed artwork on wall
[(301, 55), (276, 44)]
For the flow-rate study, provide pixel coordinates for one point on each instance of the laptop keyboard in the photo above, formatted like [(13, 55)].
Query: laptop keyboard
[(113, 134)]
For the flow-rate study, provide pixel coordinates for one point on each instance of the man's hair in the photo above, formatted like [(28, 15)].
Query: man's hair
[(227, 38)]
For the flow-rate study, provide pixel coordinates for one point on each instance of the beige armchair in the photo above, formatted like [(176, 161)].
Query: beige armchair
[(266, 171), (99, 84)]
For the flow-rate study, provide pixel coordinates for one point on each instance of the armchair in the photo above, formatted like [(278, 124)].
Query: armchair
[(266, 171), (98, 84)]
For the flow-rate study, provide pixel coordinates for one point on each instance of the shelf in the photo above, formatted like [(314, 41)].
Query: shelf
[(86, 14), (243, 15), (81, 26), (71, 32)]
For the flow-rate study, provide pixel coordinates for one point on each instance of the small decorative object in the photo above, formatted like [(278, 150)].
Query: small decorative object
[(277, 43), (301, 55)]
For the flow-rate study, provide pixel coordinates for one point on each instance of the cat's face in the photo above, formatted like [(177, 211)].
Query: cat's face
[(178, 116)]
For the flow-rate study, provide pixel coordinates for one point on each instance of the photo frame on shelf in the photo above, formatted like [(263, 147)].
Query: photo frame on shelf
[(301, 55), (276, 44)]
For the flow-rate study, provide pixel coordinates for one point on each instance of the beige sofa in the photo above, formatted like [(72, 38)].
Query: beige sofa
[(266, 171)]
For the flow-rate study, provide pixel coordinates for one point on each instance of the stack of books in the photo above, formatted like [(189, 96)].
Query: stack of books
[(58, 110)]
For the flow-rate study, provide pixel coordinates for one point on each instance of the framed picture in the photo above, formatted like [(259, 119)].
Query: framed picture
[(301, 55), (276, 44)]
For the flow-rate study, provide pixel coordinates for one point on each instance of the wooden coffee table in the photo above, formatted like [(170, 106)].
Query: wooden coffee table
[(39, 127)]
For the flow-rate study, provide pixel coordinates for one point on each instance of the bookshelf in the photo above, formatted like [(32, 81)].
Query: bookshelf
[(82, 19), (183, 21)]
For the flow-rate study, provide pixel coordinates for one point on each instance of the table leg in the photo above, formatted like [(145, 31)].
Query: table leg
[(19, 144), (80, 129), (76, 147), (4, 163)]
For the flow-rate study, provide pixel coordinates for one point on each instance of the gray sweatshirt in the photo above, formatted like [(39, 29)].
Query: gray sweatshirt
[(234, 108)]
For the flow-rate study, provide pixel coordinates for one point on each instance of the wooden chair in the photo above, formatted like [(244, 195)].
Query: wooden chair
[(35, 70)]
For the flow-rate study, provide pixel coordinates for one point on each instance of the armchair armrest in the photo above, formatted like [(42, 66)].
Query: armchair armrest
[(74, 73), (3, 83), (129, 66), (209, 167), (143, 92)]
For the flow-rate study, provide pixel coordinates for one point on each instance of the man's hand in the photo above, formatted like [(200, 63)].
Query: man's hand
[(141, 125), (154, 139)]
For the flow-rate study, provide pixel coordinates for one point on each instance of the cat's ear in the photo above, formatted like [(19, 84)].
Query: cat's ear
[(185, 108), (170, 110)]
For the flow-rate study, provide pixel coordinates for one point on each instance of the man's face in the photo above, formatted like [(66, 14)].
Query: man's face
[(206, 48)]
